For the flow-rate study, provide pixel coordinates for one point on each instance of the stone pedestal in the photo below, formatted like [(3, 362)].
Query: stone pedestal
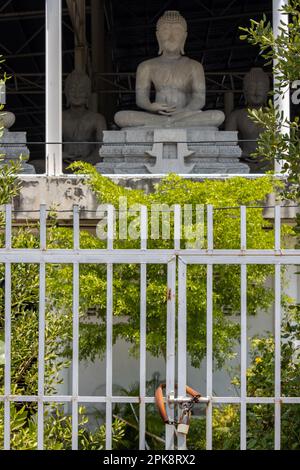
[(12, 146), (162, 151)]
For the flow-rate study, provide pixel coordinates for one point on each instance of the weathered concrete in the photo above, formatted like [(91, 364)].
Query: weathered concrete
[(61, 193), (12, 146), (162, 151), (58, 193)]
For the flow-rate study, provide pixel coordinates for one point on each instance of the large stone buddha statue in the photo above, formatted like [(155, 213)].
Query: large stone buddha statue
[(179, 84)]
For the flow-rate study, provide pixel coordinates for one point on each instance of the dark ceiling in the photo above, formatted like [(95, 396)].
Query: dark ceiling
[(130, 38)]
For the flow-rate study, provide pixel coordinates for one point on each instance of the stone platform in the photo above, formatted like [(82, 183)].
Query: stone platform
[(162, 151), (12, 146)]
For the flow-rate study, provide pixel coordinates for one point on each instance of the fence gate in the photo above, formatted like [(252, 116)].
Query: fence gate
[(177, 261)]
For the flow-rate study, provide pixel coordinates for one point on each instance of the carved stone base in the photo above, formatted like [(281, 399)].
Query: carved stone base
[(12, 146), (163, 151)]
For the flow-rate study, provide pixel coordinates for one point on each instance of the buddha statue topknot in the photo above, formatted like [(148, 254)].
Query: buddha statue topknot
[(179, 84)]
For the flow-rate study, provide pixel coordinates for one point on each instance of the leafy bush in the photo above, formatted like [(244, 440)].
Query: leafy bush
[(226, 418), (260, 383)]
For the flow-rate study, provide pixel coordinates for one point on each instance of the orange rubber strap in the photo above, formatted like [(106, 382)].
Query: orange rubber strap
[(159, 400)]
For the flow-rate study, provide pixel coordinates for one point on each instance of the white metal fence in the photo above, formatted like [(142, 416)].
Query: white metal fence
[(176, 312)]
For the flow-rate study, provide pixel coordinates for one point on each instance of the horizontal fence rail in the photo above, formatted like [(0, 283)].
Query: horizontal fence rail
[(176, 260)]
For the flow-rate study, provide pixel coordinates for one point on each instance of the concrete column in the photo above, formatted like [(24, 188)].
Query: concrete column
[(98, 52), (78, 18), (111, 98), (80, 39), (53, 88), (280, 20)]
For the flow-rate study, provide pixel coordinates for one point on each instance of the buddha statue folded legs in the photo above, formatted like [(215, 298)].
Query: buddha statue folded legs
[(181, 119)]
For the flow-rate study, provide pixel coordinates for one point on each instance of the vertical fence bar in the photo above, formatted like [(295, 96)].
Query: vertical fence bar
[(75, 353), (277, 442), (109, 328), (8, 223), (143, 300), (75, 356), (200, 223), (182, 340), (170, 365), (209, 328), (7, 368), (177, 226), (41, 367), (210, 228), (243, 228), (42, 327), (171, 329), (209, 354), (76, 227), (277, 223), (7, 330), (243, 416), (277, 312), (43, 226), (243, 413)]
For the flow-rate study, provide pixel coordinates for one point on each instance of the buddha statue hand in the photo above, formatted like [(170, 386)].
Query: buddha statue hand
[(162, 108)]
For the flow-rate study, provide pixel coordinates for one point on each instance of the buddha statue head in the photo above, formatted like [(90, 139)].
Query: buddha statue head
[(171, 33), (78, 89), (256, 87)]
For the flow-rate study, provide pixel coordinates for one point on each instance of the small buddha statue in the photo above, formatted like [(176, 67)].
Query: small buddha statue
[(179, 84), (7, 119), (79, 123), (13, 144), (256, 87)]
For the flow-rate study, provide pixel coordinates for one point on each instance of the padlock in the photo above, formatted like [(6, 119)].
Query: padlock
[(183, 428)]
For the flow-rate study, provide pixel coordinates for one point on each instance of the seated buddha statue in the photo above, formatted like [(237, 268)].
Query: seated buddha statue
[(256, 86), (179, 84), (79, 123)]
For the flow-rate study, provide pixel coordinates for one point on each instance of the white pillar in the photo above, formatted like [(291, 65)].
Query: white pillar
[(280, 20), (53, 88)]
